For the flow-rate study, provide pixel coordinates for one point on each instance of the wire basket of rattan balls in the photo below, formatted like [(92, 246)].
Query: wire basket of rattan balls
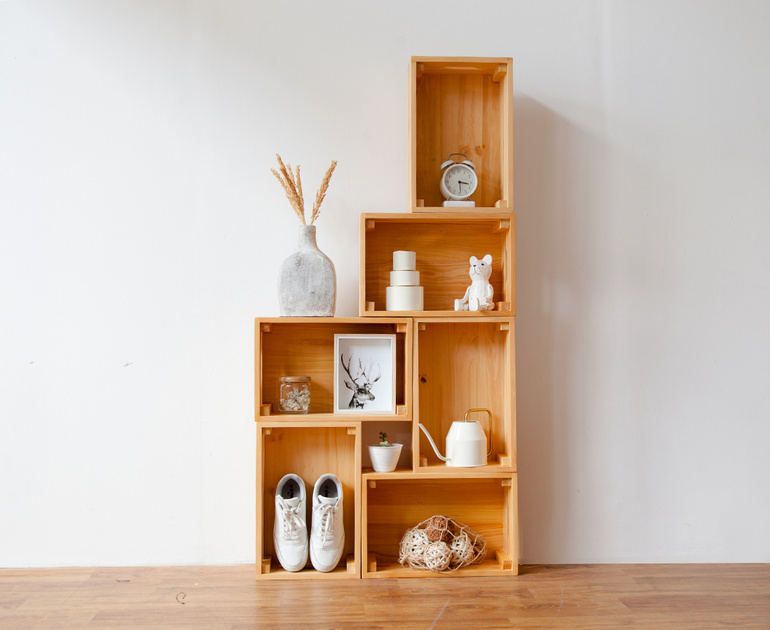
[(442, 545)]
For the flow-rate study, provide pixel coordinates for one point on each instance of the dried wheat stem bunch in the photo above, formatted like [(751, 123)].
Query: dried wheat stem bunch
[(322, 192), (293, 193), (292, 186)]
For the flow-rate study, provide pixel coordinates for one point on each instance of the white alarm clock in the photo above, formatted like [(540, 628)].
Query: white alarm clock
[(459, 181)]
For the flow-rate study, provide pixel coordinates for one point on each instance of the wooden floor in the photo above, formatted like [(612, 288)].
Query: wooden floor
[(697, 597)]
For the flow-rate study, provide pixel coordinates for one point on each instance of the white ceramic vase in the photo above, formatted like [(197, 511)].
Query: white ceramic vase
[(384, 458), (307, 283)]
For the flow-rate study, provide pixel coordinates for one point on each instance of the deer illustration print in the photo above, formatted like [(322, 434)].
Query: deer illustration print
[(361, 383)]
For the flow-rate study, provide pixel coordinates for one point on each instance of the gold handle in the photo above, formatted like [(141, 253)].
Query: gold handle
[(489, 413)]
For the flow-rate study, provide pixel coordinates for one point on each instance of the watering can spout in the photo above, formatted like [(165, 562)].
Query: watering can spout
[(432, 443)]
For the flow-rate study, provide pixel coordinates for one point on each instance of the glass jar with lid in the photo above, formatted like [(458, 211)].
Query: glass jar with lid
[(295, 394)]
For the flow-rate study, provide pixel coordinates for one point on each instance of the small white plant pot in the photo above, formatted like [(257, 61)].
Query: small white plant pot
[(384, 458)]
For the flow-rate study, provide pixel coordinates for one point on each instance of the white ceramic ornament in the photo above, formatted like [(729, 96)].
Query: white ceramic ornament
[(478, 296)]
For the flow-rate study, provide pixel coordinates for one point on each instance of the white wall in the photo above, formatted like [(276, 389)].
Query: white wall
[(141, 234)]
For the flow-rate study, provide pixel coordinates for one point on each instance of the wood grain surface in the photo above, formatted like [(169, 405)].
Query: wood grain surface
[(685, 597)]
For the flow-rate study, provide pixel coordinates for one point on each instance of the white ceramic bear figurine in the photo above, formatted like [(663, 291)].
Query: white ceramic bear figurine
[(478, 296)]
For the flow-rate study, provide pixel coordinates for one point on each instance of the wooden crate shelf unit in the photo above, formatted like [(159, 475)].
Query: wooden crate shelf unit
[(446, 363)]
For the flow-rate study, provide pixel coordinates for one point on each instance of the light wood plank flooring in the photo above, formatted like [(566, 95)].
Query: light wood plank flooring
[(697, 597)]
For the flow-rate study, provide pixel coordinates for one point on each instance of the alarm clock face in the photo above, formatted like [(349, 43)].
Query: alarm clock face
[(459, 182)]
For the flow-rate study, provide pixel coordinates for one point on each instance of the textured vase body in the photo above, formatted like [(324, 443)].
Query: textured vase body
[(307, 283)]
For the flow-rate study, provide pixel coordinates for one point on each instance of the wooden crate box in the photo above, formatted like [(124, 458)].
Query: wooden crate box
[(462, 364), (461, 105), (392, 504), (308, 450), (443, 243), (291, 346)]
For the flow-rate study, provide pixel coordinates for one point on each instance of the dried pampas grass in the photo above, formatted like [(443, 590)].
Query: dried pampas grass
[(292, 186)]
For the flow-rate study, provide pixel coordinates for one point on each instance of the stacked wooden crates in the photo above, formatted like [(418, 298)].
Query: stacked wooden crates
[(447, 362)]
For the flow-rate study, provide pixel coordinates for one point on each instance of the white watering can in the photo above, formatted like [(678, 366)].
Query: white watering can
[(466, 442)]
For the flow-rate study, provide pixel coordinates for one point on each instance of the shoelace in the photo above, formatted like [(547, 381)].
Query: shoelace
[(325, 512), (291, 521)]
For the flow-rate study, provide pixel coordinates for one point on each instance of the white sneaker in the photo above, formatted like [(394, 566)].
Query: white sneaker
[(290, 530), (327, 533)]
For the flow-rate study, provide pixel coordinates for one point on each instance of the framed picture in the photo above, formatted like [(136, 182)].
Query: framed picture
[(365, 374)]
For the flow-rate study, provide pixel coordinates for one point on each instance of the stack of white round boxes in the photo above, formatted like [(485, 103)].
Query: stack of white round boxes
[(404, 292)]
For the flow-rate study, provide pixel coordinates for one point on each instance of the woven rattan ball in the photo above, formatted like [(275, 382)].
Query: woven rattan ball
[(437, 556), (439, 522), (434, 535), (417, 543), (413, 546), (437, 529), (462, 550)]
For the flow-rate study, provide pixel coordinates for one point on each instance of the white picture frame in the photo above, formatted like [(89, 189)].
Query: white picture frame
[(369, 363)]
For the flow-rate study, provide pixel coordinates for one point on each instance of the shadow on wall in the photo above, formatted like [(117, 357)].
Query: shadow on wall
[(557, 167)]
